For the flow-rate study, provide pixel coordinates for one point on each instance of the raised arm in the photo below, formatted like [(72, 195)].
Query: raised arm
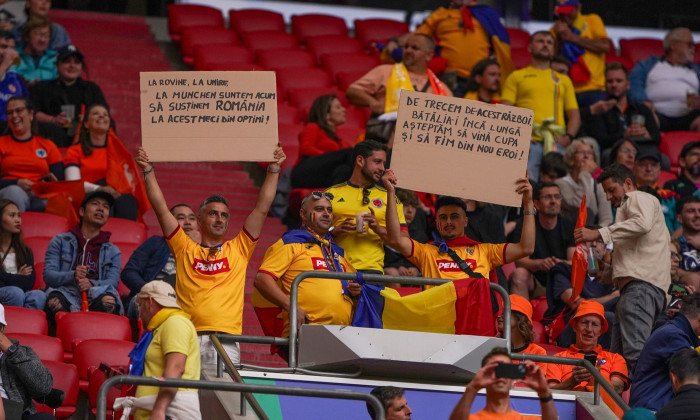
[(526, 246), (256, 219), (168, 222), (394, 237)]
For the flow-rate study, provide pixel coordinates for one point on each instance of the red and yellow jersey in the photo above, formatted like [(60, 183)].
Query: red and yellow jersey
[(480, 257), (27, 159), (210, 287), (322, 299), (92, 168)]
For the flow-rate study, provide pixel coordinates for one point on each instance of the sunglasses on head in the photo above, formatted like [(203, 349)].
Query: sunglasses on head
[(365, 196), (317, 195), (211, 256)]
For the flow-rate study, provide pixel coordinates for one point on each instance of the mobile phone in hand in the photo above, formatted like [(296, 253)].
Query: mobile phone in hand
[(511, 371)]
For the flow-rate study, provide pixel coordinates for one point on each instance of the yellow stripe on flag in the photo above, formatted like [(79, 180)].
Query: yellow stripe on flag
[(430, 311)]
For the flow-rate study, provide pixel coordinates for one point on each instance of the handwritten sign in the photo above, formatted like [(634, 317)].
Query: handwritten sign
[(462, 148), (209, 116)]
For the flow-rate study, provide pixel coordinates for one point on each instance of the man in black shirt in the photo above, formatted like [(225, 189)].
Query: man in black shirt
[(689, 161)]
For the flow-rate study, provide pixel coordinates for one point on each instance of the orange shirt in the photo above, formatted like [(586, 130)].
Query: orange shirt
[(92, 168), (533, 348), (513, 415), (27, 159)]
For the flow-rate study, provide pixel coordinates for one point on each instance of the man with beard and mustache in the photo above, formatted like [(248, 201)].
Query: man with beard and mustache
[(309, 248), (619, 117), (484, 83), (498, 391), (689, 162), (361, 199), (550, 95), (670, 84), (689, 217)]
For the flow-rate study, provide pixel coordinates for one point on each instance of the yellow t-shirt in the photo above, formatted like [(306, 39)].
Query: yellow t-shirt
[(480, 257), (212, 291), (365, 251), (544, 91), (462, 49), (322, 299), (592, 27), (175, 335)]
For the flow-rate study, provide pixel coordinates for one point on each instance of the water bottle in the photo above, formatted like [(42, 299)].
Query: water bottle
[(592, 261)]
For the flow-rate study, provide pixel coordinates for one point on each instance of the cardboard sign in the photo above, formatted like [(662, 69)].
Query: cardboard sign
[(209, 116), (462, 148)]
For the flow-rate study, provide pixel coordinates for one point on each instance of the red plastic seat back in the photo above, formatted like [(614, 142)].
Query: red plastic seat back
[(302, 79), (269, 40), (287, 114), (24, 320), (521, 57), (47, 348), (289, 134), (206, 55), (65, 378), (193, 36), (283, 59), (305, 26), (253, 20), (552, 349), (182, 15), (93, 352), (539, 307), (343, 63), (38, 245), (91, 325), (126, 231), (330, 44), (35, 224), (672, 143), (127, 248), (638, 49), (368, 31), (540, 336)]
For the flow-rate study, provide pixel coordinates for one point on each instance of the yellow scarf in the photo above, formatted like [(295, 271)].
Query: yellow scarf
[(548, 131), (399, 79), (164, 314)]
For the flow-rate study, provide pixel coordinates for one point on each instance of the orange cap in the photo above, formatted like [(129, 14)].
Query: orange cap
[(589, 307), (522, 305)]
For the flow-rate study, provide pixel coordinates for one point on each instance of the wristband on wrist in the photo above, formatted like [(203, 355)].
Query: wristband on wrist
[(547, 399), (147, 172), (272, 170)]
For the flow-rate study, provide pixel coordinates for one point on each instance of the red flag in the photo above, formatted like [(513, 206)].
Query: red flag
[(122, 173), (579, 264), (63, 197)]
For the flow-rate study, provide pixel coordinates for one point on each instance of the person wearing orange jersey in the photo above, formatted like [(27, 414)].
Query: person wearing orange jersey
[(521, 332)]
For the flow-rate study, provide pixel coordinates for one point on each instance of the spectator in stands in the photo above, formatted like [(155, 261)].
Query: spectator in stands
[(26, 158), (396, 264), (641, 267), (560, 64), (689, 162), (434, 260), (91, 158), (689, 217), (498, 390), (210, 275), (395, 404), (63, 100), (38, 62), (361, 198), (152, 260), (651, 385), (583, 41), (550, 95), (554, 243), (552, 167), (670, 84), (379, 88), (41, 8), (465, 34), (10, 82), (484, 83), (582, 159), (588, 324), (17, 274), (83, 260), (24, 378), (624, 151), (324, 159), (617, 116), (684, 369), (522, 336), (647, 169), (309, 248), (168, 349), (561, 308), (11, 13)]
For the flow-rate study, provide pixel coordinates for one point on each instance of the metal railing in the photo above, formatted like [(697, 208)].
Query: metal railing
[(235, 387)]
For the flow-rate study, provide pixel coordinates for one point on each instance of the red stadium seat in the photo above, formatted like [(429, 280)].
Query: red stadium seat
[(295, 196), (349, 134), (205, 55), (540, 336), (39, 245), (127, 248), (126, 231), (342, 63), (231, 66), (305, 26), (43, 225), (39, 277), (78, 326), (672, 143), (303, 98), (93, 352), (253, 20), (356, 117), (638, 49), (521, 57), (24, 320), (302, 78), (182, 15), (193, 36), (539, 306), (65, 378), (292, 152), (508, 269), (330, 44), (47, 348), (368, 31), (96, 379), (285, 59), (552, 349), (664, 177), (518, 38), (269, 40), (289, 134), (620, 59), (345, 79), (287, 114), (696, 60)]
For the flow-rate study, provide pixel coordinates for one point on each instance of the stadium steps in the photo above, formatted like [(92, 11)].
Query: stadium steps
[(116, 49)]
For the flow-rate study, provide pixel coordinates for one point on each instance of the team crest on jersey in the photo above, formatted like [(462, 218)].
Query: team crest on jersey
[(449, 266), (41, 153), (469, 250), (378, 203), (211, 267)]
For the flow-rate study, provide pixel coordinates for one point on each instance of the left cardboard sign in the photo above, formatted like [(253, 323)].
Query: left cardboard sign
[(201, 116)]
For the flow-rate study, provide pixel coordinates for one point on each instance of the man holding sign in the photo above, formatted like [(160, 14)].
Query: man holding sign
[(210, 275), (444, 258)]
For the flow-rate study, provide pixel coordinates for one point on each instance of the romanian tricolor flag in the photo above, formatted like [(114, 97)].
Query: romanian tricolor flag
[(458, 307), (500, 41)]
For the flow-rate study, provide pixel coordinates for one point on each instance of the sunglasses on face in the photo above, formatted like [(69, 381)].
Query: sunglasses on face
[(317, 195)]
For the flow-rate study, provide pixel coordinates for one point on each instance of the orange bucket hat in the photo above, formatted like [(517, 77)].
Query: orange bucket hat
[(589, 307), (522, 305)]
